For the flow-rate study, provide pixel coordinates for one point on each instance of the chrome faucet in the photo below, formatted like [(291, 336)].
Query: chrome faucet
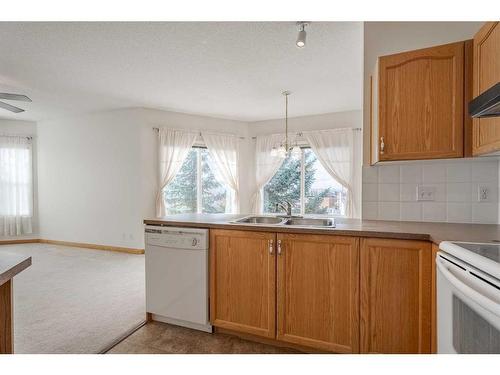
[(287, 208)]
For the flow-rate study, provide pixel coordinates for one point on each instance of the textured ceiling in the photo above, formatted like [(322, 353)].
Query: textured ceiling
[(231, 70)]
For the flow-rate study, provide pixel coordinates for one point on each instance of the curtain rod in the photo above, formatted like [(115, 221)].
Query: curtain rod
[(17, 136), (199, 132), (300, 134)]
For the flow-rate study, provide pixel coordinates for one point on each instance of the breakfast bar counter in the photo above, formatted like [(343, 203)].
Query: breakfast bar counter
[(10, 265), (407, 230)]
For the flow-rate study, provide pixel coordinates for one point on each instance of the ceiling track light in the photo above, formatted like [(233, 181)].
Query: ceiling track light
[(301, 37)]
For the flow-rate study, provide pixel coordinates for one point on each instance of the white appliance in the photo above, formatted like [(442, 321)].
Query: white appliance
[(468, 297), (177, 276)]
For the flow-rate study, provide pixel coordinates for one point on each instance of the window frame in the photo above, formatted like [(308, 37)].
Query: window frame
[(198, 147), (302, 198)]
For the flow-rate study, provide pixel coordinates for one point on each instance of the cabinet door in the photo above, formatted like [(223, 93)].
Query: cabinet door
[(435, 249), (421, 103), (486, 67), (318, 299), (395, 296), (243, 281)]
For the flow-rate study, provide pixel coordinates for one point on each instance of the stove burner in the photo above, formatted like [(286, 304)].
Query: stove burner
[(490, 251)]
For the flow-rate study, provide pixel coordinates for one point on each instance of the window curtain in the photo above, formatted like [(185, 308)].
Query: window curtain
[(174, 146), (266, 166), (16, 186), (335, 150), (224, 150)]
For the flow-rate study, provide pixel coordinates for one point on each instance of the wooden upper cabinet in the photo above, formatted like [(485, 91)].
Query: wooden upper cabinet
[(486, 67), (318, 299), (418, 104), (395, 291), (243, 281)]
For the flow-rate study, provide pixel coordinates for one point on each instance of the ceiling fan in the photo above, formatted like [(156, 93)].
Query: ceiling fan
[(8, 107)]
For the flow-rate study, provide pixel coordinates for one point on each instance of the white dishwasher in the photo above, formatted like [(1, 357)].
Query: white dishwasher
[(177, 276)]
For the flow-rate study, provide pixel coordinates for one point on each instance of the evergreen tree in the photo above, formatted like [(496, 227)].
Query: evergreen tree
[(285, 187), (180, 195), (213, 193)]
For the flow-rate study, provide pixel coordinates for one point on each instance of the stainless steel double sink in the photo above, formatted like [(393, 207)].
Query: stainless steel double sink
[(287, 221)]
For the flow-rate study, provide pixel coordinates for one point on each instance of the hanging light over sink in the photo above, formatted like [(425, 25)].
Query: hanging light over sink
[(286, 148)]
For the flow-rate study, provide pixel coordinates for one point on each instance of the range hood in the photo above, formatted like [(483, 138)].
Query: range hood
[(487, 104)]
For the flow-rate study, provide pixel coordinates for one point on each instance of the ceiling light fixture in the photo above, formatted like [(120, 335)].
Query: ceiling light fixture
[(301, 38), (286, 148)]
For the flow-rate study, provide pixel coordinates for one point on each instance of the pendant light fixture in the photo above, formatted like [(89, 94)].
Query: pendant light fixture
[(286, 148)]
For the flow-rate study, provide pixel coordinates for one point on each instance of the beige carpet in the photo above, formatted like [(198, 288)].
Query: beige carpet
[(75, 300)]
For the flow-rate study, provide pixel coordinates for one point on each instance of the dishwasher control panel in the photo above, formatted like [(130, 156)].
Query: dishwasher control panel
[(177, 238)]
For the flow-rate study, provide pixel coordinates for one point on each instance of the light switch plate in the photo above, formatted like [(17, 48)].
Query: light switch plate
[(426, 193)]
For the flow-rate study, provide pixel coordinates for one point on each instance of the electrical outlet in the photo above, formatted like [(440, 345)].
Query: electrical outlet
[(483, 194), (426, 193)]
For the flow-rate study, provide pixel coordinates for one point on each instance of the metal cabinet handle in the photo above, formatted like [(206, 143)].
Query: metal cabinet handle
[(271, 247), (279, 247), (382, 145)]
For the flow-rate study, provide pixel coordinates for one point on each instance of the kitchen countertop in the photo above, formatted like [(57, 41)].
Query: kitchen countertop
[(11, 264), (435, 232)]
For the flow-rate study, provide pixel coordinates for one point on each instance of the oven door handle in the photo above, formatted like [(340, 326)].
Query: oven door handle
[(468, 290)]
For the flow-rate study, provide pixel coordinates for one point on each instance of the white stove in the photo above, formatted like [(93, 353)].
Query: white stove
[(468, 297)]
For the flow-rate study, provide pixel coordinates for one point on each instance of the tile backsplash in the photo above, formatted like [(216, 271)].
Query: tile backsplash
[(458, 191)]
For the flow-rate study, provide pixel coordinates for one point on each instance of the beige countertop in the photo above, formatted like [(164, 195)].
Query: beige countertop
[(435, 232), (11, 264)]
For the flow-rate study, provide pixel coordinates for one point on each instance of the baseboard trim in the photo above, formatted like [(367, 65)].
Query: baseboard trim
[(14, 242), (127, 250)]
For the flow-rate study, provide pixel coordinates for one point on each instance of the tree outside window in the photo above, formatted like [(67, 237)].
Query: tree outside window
[(195, 188), (307, 186)]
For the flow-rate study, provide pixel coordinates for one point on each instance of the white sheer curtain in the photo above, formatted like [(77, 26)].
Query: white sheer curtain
[(224, 150), (174, 146), (266, 166), (16, 186), (334, 149)]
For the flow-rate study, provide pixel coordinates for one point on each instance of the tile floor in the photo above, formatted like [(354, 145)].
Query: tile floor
[(161, 338)]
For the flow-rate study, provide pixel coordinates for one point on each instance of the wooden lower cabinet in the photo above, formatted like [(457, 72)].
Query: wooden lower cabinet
[(6, 316), (318, 281), (243, 281), (340, 294), (395, 290), (435, 249)]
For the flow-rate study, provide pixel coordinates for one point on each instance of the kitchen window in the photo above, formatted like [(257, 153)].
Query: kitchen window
[(196, 188), (307, 186)]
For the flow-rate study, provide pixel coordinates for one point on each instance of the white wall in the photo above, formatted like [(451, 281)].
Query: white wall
[(348, 119), (28, 128), (98, 173)]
